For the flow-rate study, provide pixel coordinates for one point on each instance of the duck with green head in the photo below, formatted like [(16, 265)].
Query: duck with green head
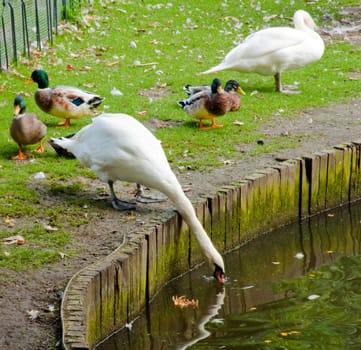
[(64, 101), (213, 102), (26, 128)]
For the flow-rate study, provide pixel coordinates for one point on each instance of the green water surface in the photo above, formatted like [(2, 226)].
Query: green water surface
[(295, 288)]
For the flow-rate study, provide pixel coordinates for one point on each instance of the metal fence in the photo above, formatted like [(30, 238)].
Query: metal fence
[(27, 24)]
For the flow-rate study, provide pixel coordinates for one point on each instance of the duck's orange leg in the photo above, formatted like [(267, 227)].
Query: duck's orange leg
[(215, 125), (66, 123), (40, 149)]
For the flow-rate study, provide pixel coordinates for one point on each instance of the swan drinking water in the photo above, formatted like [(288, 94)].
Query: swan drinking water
[(274, 50), (118, 147)]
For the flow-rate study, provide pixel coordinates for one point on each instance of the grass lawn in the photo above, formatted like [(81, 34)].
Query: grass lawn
[(148, 50)]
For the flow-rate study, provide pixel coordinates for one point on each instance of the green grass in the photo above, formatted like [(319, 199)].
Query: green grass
[(174, 41), (41, 247)]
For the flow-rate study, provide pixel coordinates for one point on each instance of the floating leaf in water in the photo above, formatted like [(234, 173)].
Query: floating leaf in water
[(287, 333), (247, 287), (299, 256), (183, 302)]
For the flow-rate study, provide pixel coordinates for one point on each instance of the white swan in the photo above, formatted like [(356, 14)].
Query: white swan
[(118, 147), (274, 50)]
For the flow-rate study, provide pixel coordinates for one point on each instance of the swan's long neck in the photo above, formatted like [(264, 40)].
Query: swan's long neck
[(185, 208), (303, 21)]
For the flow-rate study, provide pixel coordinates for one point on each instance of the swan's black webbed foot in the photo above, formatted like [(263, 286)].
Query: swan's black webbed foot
[(122, 205), (290, 90), (143, 198), (117, 203)]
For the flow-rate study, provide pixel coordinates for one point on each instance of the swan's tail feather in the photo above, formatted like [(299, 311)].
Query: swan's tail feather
[(213, 70), (61, 151)]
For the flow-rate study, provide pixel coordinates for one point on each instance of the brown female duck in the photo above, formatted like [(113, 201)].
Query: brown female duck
[(26, 128)]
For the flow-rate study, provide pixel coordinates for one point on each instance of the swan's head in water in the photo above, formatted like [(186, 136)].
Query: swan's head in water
[(219, 274)]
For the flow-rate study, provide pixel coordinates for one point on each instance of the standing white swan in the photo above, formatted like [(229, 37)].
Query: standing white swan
[(272, 51), (118, 147)]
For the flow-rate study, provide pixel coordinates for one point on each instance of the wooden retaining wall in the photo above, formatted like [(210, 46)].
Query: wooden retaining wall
[(105, 296)]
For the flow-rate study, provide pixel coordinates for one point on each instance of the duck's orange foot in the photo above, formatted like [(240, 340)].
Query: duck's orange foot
[(65, 124), (20, 156), (214, 125), (40, 149)]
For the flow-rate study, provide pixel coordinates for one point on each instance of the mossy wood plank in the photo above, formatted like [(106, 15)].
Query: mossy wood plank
[(335, 173), (312, 173), (255, 209), (93, 310), (346, 150), (121, 288), (356, 171), (232, 217), (107, 297), (304, 200), (137, 280), (219, 236), (153, 281), (244, 212), (320, 204), (294, 189), (196, 256)]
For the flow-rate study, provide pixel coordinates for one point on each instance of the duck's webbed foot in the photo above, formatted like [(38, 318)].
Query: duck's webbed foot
[(141, 197), (117, 203)]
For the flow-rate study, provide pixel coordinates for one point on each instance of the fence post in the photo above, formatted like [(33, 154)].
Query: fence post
[(25, 29)]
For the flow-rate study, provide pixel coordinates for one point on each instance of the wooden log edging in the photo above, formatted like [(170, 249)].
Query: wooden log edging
[(104, 296)]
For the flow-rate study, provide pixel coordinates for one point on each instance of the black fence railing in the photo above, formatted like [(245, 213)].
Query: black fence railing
[(27, 24)]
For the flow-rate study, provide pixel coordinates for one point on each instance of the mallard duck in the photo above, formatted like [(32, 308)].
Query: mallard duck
[(272, 51), (213, 102), (231, 86), (64, 101), (118, 147), (26, 128)]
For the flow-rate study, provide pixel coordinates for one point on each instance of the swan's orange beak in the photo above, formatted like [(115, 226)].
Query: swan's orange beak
[(219, 274)]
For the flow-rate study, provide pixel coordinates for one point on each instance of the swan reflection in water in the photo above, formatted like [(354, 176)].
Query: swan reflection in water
[(201, 332)]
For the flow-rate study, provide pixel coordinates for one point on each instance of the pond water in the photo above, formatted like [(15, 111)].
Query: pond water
[(298, 287)]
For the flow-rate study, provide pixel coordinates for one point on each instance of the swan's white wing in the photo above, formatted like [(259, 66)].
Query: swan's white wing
[(266, 42), (118, 147)]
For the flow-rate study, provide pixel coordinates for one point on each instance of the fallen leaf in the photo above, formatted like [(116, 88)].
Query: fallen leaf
[(142, 113), (112, 64), (236, 122), (33, 314), (9, 221), (116, 92), (62, 255), (19, 240), (50, 228)]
